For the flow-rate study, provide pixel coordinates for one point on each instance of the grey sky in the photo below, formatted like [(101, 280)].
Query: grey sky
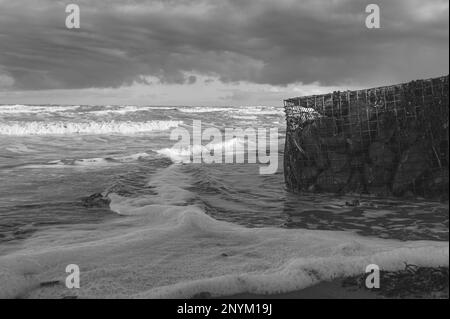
[(255, 50)]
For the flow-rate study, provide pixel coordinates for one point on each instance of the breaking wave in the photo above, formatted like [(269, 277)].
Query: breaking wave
[(253, 110), (203, 109), (19, 109), (35, 109), (166, 248), (260, 110), (19, 128), (232, 146)]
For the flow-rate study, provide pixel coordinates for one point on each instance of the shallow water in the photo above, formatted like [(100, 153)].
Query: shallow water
[(53, 157)]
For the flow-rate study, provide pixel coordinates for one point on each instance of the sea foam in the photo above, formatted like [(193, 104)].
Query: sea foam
[(89, 163), (20, 128), (203, 109), (167, 248), (35, 109), (231, 146)]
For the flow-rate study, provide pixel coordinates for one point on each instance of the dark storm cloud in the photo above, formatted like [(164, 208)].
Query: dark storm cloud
[(259, 41)]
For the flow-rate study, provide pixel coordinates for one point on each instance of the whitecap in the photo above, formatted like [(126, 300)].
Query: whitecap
[(19, 128)]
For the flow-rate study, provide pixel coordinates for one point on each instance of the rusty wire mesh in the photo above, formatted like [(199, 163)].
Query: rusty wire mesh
[(390, 140)]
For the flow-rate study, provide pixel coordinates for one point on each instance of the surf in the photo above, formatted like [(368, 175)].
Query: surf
[(170, 248), (25, 128)]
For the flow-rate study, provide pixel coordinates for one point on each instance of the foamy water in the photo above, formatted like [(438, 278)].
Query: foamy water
[(174, 230), (57, 128)]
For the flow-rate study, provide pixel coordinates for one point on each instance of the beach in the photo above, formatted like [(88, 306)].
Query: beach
[(106, 189), (352, 288)]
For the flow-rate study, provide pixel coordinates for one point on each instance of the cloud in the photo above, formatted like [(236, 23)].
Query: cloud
[(6, 81), (149, 90), (253, 41)]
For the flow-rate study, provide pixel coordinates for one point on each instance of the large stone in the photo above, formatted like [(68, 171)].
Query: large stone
[(437, 182), (377, 179), (387, 126), (355, 183), (408, 133), (301, 163), (338, 162), (380, 155), (336, 143), (308, 141), (308, 174), (331, 182), (292, 160), (414, 164)]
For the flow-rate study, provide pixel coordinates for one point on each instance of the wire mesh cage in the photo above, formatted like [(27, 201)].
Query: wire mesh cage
[(390, 140)]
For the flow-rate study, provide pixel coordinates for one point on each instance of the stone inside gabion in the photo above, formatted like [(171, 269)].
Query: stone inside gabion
[(387, 141)]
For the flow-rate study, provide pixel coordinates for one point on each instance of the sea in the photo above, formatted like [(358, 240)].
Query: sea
[(108, 189)]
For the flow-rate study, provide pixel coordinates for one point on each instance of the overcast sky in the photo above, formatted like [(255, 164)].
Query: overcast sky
[(215, 52)]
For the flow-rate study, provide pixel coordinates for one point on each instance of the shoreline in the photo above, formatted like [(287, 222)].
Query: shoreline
[(411, 283)]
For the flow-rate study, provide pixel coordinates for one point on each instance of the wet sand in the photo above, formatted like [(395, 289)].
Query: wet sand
[(324, 290), (410, 283), (334, 290)]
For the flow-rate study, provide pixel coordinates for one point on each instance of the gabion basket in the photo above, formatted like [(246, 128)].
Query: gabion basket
[(389, 140)]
